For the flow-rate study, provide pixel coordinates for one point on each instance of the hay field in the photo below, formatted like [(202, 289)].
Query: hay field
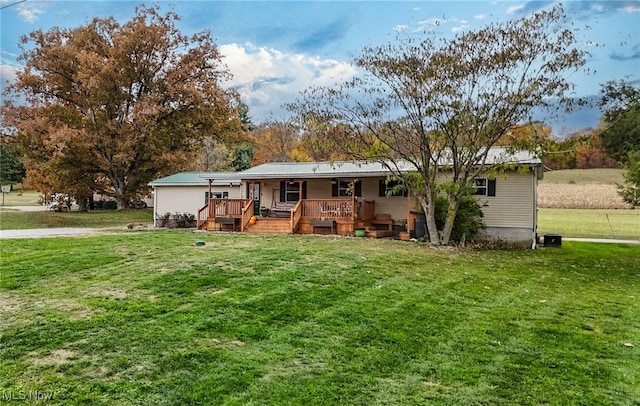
[(581, 189)]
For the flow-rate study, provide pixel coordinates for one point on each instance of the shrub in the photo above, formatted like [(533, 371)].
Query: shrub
[(468, 221), (630, 190), (183, 220), (163, 219)]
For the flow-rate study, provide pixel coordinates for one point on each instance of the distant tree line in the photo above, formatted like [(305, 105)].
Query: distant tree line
[(98, 111)]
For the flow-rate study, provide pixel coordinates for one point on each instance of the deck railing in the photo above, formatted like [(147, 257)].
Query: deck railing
[(247, 212), (203, 214), (368, 210), (296, 215), (338, 209), (343, 209), (223, 208), (226, 207)]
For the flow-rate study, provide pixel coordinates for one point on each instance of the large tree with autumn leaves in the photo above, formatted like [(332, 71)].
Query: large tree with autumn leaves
[(108, 107), (440, 105)]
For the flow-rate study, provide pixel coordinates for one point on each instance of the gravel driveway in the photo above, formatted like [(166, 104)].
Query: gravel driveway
[(44, 232), (47, 232)]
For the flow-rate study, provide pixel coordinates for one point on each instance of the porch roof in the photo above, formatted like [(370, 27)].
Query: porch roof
[(315, 170)]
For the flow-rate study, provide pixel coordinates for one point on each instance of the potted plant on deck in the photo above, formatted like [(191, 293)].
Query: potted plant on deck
[(264, 211)]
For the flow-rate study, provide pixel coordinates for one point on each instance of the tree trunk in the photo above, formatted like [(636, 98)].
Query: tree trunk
[(121, 201), (120, 193), (454, 202), (429, 208)]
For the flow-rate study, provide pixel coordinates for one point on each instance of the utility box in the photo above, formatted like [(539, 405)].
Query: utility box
[(552, 240), (420, 227)]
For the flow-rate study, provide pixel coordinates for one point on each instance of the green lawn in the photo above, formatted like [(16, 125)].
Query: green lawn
[(150, 318), (22, 198), (590, 223), (607, 176), (13, 219)]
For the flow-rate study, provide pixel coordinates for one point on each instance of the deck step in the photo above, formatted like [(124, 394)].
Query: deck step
[(270, 226)]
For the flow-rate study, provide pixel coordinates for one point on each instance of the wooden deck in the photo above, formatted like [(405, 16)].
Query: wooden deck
[(307, 216)]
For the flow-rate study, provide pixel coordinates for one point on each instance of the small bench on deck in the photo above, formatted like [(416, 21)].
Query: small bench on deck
[(382, 219), (283, 209), (323, 223), (227, 220)]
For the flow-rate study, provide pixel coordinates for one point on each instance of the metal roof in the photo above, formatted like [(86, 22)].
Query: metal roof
[(196, 179), (315, 170), (353, 169), (321, 170)]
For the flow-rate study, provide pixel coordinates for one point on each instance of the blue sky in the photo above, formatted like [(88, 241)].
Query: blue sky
[(275, 49)]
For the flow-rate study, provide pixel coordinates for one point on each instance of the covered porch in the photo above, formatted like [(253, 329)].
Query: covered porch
[(306, 198), (307, 216)]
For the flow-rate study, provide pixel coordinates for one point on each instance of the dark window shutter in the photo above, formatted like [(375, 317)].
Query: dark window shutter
[(491, 187), (382, 188), (206, 198), (334, 188), (357, 188), (304, 190), (283, 190)]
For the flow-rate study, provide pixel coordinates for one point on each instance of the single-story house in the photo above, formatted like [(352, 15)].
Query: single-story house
[(187, 192), (342, 197)]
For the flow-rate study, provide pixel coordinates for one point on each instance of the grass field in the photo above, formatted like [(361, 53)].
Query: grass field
[(590, 223), (606, 176), (22, 198), (150, 318), (16, 220)]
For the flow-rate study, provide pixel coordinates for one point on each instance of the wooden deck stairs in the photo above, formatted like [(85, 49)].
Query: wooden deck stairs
[(270, 225)]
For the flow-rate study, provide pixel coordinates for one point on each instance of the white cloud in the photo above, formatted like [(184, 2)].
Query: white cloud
[(480, 16), (7, 73), (267, 78), (400, 27), (29, 12), (432, 22), (515, 9)]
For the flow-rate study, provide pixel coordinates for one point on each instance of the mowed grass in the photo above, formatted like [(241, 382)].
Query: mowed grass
[(17, 220), (590, 223), (150, 318), (22, 198)]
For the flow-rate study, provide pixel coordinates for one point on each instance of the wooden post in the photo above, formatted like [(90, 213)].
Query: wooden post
[(409, 225), (353, 200)]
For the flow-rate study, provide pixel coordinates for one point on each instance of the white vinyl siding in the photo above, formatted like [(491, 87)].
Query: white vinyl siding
[(513, 205), (187, 199)]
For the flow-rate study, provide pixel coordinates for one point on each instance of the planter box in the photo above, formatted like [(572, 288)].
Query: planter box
[(404, 235)]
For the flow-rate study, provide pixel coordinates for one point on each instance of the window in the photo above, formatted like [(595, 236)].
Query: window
[(290, 191), (385, 188), (484, 187), (215, 195), (344, 188)]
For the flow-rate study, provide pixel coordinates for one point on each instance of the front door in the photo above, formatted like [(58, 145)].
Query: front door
[(256, 198)]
